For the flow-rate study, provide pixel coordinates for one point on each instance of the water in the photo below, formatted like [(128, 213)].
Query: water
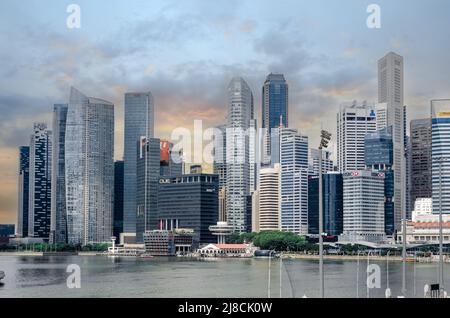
[(175, 277)]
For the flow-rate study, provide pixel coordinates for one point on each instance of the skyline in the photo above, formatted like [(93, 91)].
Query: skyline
[(190, 61)]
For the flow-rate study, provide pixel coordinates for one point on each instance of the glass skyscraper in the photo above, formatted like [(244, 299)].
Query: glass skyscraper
[(58, 207), (89, 167), (275, 95), (39, 210), (238, 174), (139, 121), (294, 181), (440, 155), (118, 199), (24, 183)]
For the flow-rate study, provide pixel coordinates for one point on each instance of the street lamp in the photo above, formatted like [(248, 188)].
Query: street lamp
[(325, 138)]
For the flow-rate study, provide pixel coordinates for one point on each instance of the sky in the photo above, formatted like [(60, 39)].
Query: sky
[(186, 52)]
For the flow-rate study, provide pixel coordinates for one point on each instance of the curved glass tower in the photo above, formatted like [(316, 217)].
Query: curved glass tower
[(89, 167)]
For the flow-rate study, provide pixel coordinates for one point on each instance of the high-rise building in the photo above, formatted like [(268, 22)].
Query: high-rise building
[(440, 155), (364, 206), (333, 208), (238, 184), (269, 199), (354, 122), (327, 162), (118, 199), (39, 210), (379, 157), (58, 232), (420, 159), (171, 163), (89, 167), (189, 202), (294, 181), (24, 184), (148, 174), (391, 113), (139, 121), (275, 101)]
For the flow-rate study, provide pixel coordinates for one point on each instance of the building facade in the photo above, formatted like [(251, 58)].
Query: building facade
[(139, 121), (379, 157), (189, 202), (440, 155), (58, 200), (269, 199), (238, 174), (420, 159), (391, 113), (354, 122), (148, 173), (89, 164), (327, 162), (24, 185), (364, 206), (118, 199), (275, 108), (294, 181), (39, 204)]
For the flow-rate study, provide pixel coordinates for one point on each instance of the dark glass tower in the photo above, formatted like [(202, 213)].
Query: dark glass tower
[(275, 93), (189, 202), (118, 199), (24, 183)]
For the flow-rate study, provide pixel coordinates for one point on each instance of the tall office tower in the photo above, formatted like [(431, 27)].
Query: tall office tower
[(364, 206), (333, 208), (379, 157), (391, 106), (275, 101), (240, 114), (24, 184), (89, 169), (189, 202), (327, 162), (118, 199), (39, 204), (269, 199), (148, 174), (220, 155), (58, 226), (440, 155), (139, 121), (294, 181), (253, 155), (409, 205), (354, 122), (420, 159)]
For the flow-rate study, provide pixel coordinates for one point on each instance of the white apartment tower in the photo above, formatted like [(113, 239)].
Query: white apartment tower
[(269, 199), (354, 122)]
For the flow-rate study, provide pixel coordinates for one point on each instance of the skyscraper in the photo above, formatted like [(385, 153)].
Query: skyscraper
[(240, 115), (420, 159), (379, 157), (39, 210), (294, 181), (269, 199), (189, 202), (440, 155), (390, 112), (58, 205), (118, 199), (354, 122), (148, 174), (275, 109), (24, 184), (89, 169), (139, 121), (364, 206)]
